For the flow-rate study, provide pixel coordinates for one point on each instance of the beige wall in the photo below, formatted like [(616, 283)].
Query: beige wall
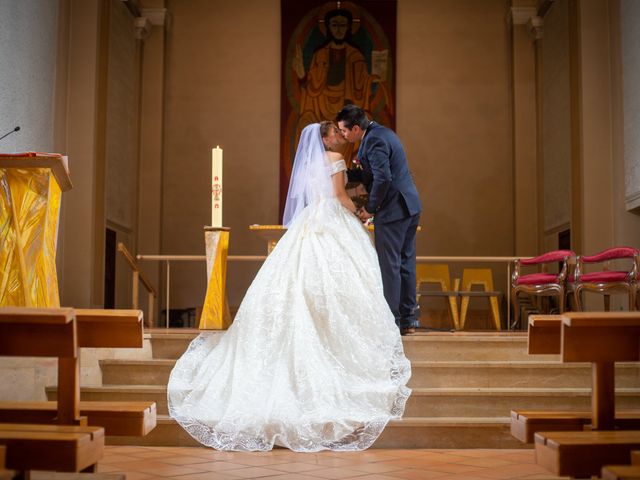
[(80, 273), (223, 85), (222, 88), (122, 139), (556, 122), (601, 123), (630, 48), (28, 50), (625, 112)]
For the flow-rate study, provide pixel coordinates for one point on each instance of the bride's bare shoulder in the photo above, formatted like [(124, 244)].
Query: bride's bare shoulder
[(335, 157)]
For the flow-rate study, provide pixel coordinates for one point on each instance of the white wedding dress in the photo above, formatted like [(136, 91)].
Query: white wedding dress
[(313, 360)]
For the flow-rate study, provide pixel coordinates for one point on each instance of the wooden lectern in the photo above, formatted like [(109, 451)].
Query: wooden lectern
[(31, 186)]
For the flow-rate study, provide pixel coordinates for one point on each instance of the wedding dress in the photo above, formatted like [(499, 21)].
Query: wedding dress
[(313, 360)]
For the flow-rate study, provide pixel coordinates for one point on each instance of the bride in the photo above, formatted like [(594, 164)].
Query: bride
[(313, 360)]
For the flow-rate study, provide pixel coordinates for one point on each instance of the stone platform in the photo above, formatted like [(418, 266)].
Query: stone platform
[(464, 386)]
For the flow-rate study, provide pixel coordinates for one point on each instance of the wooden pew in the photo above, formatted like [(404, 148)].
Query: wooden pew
[(601, 338), (582, 454), (621, 472), (545, 336), (526, 423), (47, 332), (62, 448), (118, 418), (4, 473), (97, 328)]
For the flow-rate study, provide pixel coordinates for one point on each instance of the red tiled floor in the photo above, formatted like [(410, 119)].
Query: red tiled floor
[(190, 463)]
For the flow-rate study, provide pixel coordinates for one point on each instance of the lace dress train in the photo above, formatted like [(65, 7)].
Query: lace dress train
[(313, 360)]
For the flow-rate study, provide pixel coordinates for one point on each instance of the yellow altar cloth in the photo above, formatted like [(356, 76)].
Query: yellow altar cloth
[(31, 188), (215, 314)]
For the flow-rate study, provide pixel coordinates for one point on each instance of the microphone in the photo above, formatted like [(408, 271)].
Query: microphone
[(9, 133)]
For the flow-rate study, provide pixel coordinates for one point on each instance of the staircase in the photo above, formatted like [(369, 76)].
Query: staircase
[(464, 387)]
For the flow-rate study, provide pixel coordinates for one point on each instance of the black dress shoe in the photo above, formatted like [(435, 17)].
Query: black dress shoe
[(407, 331)]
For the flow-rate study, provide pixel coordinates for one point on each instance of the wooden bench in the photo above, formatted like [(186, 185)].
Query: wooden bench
[(47, 332), (4, 473), (583, 454), (544, 334), (117, 418), (525, 424), (97, 328), (621, 472), (62, 448), (601, 338)]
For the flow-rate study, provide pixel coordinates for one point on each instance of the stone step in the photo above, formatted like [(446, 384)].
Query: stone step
[(425, 374), (407, 432), (514, 374), (136, 372), (438, 346), (498, 402), (461, 346), (424, 402), (171, 343)]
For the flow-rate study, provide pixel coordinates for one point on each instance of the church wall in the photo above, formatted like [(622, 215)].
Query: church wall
[(122, 139), (625, 18), (454, 118), (596, 135), (556, 123), (223, 84), (28, 49), (625, 112), (630, 46), (80, 134), (222, 88)]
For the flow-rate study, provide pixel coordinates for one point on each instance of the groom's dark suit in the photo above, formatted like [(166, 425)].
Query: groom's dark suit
[(395, 202)]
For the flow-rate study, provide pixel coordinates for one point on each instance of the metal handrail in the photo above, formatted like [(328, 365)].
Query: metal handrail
[(254, 258), (137, 277), (191, 258)]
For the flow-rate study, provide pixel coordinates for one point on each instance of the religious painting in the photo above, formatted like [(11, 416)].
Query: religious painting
[(334, 53)]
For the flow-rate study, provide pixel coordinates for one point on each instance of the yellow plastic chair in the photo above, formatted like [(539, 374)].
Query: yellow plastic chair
[(478, 277), (439, 274)]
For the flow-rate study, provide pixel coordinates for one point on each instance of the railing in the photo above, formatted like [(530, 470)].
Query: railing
[(258, 258), (190, 258), (137, 277)]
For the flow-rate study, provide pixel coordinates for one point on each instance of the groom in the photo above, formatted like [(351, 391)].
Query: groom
[(394, 201)]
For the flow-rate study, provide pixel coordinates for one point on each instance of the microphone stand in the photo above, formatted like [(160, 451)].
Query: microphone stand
[(9, 133)]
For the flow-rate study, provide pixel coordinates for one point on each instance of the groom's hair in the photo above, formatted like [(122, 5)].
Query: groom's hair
[(353, 115)]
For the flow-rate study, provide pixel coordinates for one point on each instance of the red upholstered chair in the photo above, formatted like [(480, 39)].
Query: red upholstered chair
[(606, 281), (540, 284)]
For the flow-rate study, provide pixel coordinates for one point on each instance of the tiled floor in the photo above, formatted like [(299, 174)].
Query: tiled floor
[(184, 463)]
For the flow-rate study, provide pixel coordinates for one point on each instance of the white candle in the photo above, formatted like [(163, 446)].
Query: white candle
[(216, 187)]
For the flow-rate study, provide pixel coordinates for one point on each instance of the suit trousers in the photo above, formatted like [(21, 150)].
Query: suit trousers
[(396, 246)]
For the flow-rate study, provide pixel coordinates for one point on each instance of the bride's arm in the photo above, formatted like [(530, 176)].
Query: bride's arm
[(338, 180)]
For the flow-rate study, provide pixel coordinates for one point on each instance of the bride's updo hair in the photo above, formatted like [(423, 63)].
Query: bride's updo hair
[(325, 127)]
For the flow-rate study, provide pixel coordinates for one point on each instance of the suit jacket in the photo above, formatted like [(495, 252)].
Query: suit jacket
[(385, 175)]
